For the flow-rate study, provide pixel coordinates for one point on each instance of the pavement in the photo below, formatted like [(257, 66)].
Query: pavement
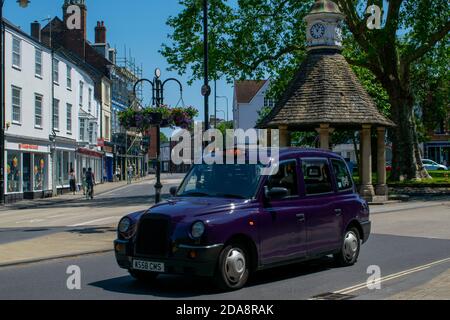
[(70, 225), (410, 243)]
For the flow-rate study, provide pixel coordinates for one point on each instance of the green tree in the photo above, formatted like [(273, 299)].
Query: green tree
[(261, 38)]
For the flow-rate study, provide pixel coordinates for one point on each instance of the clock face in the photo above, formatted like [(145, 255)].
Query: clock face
[(317, 30)]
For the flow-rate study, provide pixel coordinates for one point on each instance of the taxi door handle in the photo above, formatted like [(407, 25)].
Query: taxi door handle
[(338, 211), (300, 217)]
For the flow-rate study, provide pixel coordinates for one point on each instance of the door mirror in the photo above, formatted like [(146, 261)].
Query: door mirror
[(173, 191), (276, 193)]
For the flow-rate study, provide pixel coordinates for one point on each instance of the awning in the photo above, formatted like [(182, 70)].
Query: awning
[(90, 153)]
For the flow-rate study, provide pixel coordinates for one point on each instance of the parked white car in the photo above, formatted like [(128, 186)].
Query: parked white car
[(431, 165)]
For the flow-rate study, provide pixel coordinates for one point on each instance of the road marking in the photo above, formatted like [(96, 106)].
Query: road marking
[(92, 221), (392, 276), (30, 221)]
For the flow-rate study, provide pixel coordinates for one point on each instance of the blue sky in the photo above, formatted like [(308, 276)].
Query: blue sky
[(140, 25)]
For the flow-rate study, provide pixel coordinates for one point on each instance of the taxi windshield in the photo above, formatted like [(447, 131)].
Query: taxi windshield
[(222, 180)]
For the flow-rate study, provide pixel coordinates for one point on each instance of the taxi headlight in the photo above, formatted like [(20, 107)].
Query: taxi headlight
[(198, 229), (124, 225)]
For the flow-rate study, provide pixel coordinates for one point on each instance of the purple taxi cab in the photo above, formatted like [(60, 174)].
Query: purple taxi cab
[(227, 221)]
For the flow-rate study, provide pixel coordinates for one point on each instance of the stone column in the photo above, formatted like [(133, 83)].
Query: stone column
[(367, 191), (381, 188), (285, 139), (324, 135)]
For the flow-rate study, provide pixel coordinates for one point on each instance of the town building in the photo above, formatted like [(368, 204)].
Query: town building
[(48, 96), (249, 98), (57, 35), (113, 88)]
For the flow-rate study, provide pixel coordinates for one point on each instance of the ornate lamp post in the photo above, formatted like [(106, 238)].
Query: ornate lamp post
[(158, 100), (23, 4)]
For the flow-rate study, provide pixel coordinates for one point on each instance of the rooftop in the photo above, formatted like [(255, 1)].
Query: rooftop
[(325, 90), (246, 90)]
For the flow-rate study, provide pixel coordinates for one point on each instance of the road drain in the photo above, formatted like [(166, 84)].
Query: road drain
[(333, 296)]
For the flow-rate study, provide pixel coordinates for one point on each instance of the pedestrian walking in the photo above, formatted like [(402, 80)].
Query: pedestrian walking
[(90, 181), (118, 173), (72, 181), (83, 181), (130, 173)]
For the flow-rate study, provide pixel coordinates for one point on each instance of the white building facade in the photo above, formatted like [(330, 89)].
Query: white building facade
[(250, 97), (46, 97)]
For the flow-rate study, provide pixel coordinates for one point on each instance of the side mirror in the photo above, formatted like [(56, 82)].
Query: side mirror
[(173, 191), (276, 193)]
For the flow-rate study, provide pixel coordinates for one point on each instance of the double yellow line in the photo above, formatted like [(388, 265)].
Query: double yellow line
[(391, 277)]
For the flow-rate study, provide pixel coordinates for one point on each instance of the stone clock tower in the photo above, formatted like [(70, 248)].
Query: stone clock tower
[(324, 26)]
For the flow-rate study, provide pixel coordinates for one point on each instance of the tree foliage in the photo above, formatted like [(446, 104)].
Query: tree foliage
[(265, 38)]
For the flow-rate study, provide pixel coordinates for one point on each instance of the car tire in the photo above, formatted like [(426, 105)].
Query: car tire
[(351, 245), (143, 276), (233, 268)]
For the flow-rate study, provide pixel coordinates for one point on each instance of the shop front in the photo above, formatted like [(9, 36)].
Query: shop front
[(85, 159), (27, 171)]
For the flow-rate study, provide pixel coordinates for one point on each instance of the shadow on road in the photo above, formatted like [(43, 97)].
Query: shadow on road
[(175, 286), (100, 202), (10, 235)]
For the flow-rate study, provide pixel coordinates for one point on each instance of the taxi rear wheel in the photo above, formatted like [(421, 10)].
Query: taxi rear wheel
[(143, 276), (233, 267)]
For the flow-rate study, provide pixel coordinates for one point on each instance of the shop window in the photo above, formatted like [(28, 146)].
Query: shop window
[(13, 170), (40, 172)]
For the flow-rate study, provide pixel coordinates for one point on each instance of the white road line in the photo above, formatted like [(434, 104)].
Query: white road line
[(30, 221), (392, 276), (92, 221)]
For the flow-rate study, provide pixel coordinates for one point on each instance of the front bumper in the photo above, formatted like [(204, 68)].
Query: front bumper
[(181, 260), (366, 227)]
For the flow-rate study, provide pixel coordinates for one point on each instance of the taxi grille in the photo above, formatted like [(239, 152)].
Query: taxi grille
[(153, 237)]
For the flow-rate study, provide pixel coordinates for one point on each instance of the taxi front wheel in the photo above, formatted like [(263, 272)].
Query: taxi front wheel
[(232, 268)]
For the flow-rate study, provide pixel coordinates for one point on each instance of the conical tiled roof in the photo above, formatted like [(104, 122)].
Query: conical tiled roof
[(325, 90)]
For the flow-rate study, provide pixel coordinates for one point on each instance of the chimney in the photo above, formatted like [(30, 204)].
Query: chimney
[(100, 32), (75, 39), (36, 30)]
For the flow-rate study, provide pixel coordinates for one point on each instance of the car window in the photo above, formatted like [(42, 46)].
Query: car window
[(426, 162), (316, 175), (238, 180), (343, 178), (286, 177)]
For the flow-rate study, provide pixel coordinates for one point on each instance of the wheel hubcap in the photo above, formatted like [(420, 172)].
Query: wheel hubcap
[(350, 245), (234, 265)]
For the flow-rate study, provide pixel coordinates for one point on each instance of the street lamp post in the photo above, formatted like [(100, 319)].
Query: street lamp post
[(158, 100), (206, 89), (225, 97), (23, 4)]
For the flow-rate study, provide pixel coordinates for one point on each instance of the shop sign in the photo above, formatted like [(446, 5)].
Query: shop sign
[(28, 147), (100, 142)]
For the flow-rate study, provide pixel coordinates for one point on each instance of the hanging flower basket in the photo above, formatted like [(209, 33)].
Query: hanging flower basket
[(164, 116)]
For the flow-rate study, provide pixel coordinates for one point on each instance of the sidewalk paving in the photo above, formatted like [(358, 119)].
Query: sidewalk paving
[(71, 242), (99, 190), (436, 289)]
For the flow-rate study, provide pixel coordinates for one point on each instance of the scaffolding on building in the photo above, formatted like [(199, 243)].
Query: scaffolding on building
[(133, 71)]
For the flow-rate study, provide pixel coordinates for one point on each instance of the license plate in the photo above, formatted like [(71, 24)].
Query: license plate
[(148, 266)]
